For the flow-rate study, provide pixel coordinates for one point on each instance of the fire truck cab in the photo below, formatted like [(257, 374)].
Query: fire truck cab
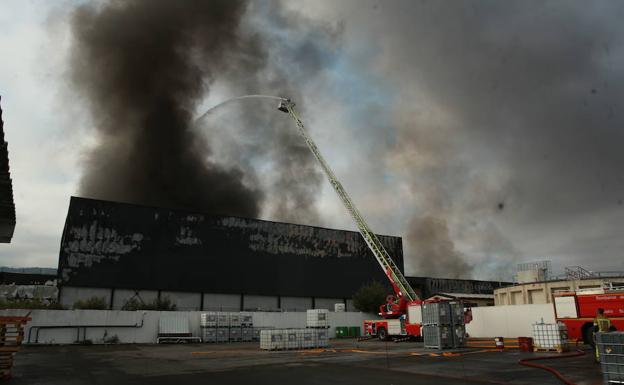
[(408, 325), (577, 310)]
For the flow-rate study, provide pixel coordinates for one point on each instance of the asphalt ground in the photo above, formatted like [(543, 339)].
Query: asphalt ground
[(345, 362)]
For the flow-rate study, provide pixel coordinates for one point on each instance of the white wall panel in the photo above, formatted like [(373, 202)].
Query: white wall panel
[(142, 326), (508, 321)]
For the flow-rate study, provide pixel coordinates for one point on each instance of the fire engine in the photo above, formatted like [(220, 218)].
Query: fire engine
[(402, 310), (577, 310)]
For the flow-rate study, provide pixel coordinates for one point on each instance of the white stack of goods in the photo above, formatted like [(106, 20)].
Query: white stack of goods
[(281, 339), (235, 319), (209, 334), (257, 330), (272, 339), (307, 338), (208, 319), (317, 318), (321, 338), (550, 336), (339, 307), (291, 338), (235, 334), (223, 319), (208, 325), (247, 334), (247, 331), (246, 319), (223, 334)]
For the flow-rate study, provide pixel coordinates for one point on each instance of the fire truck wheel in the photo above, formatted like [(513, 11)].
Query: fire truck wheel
[(588, 334), (382, 334)]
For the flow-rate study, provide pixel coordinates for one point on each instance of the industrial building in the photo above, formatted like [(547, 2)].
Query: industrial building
[(120, 251), (7, 206), (535, 285), (471, 292)]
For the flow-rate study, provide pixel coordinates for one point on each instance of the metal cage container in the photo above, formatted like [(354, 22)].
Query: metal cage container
[(438, 337), (611, 350)]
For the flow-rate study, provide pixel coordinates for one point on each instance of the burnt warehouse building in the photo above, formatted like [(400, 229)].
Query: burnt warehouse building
[(120, 251)]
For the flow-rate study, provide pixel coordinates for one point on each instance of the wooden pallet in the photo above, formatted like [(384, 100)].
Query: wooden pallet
[(554, 350), (11, 337)]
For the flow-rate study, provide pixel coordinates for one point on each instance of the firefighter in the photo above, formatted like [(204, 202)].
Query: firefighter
[(601, 324)]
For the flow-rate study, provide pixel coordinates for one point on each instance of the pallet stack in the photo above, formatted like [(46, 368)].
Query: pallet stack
[(436, 329), (550, 337), (11, 337), (315, 335), (611, 350), (289, 339), (227, 326), (317, 318), (458, 324), (443, 325)]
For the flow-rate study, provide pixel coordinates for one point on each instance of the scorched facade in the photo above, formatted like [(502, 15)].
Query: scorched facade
[(201, 261)]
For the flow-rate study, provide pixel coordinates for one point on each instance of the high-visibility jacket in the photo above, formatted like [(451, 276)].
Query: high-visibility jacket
[(602, 324)]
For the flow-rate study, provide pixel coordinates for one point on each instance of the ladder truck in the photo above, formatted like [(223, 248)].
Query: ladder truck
[(402, 311)]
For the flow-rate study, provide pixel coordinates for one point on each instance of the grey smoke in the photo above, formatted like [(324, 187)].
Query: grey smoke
[(515, 101), (442, 109), (435, 252), (144, 66)]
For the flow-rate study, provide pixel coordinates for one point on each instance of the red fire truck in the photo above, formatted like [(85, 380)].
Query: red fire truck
[(407, 325), (577, 310), (402, 311)]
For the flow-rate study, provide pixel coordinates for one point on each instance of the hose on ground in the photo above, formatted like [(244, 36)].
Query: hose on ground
[(527, 362)]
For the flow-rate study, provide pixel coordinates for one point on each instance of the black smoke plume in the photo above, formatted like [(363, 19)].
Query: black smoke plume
[(142, 65)]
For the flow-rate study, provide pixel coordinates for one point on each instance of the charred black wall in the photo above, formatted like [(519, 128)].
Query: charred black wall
[(7, 205), (428, 286), (118, 245)]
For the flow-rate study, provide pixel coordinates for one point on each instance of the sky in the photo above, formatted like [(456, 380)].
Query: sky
[(484, 133)]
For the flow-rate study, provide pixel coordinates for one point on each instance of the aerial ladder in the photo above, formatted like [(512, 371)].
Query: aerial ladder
[(396, 304)]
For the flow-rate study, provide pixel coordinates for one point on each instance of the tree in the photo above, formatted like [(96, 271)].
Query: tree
[(163, 304), (97, 303), (369, 297)]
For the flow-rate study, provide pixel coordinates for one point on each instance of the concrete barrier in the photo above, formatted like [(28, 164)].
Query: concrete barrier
[(508, 321), (101, 326)]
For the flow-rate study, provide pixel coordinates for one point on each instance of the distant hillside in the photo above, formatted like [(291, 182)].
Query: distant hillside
[(28, 270)]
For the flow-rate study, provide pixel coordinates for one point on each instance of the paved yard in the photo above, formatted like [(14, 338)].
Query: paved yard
[(346, 362)]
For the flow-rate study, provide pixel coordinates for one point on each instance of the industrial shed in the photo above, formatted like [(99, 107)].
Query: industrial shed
[(7, 206), (202, 261)]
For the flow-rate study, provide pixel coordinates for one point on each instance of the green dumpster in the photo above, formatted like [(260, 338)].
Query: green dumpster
[(342, 331), (354, 331)]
